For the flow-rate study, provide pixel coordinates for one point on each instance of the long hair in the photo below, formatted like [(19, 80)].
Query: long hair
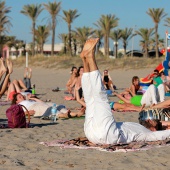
[(14, 100), (148, 125), (78, 71), (73, 69), (134, 78)]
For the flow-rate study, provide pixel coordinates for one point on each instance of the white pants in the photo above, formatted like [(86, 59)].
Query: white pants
[(100, 126), (153, 95)]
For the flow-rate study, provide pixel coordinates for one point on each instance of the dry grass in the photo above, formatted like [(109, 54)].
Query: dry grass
[(64, 62)]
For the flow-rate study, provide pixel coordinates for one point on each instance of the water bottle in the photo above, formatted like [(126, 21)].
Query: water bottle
[(53, 113), (33, 89)]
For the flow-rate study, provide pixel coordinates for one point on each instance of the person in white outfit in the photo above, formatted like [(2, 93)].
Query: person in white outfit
[(100, 126), (153, 95)]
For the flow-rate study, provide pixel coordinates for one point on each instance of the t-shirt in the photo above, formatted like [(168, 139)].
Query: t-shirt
[(157, 81), (27, 103), (136, 100)]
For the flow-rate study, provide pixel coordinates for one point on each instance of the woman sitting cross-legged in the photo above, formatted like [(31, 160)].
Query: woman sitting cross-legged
[(100, 126)]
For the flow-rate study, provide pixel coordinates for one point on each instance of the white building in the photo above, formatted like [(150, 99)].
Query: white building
[(13, 53)]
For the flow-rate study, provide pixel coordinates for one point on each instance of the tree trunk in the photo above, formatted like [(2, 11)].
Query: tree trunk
[(69, 37), (42, 49), (53, 37), (124, 48), (33, 38), (146, 51), (156, 40), (105, 45), (116, 46)]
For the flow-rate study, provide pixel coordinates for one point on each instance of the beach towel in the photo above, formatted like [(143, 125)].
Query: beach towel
[(84, 143), (3, 103)]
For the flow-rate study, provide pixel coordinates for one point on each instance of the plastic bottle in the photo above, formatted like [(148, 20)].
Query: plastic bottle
[(53, 113), (33, 89)]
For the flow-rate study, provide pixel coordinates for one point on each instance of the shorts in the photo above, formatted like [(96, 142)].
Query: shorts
[(112, 105), (80, 92), (11, 94)]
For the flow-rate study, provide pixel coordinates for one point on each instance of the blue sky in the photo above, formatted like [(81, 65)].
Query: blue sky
[(131, 14)]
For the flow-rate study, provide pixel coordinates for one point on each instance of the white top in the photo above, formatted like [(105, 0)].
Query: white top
[(27, 103)]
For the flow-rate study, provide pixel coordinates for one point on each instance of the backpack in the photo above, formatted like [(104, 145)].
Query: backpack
[(16, 116)]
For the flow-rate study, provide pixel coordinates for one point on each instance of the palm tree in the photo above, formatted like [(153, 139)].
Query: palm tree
[(74, 40), (98, 33), (41, 33), (82, 34), (53, 8), (64, 38), (146, 34), (4, 23), (167, 22), (156, 14), (161, 43), (115, 36), (32, 11), (11, 41), (4, 19), (106, 23), (126, 35), (69, 17)]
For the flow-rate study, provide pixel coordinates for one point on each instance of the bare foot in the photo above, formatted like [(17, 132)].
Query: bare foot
[(10, 66), (89, 46)]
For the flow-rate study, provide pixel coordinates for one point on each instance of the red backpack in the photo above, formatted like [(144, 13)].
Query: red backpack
[(16, 117)]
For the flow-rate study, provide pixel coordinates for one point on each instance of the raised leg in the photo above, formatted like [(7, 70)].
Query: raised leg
[(6, 78)]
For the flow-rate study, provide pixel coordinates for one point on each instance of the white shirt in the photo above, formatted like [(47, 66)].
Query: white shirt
[(27, 103)]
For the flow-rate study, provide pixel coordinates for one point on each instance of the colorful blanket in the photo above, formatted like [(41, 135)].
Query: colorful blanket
[(3, 103), (69, 98), (84, 143)]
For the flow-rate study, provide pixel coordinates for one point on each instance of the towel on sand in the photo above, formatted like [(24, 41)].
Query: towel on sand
[(69, 98), (84, 143)]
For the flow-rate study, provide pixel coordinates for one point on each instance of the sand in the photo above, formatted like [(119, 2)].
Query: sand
[(20, 148)]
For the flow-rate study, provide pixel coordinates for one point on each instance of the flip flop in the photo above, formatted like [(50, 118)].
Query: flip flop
[(56, 89)]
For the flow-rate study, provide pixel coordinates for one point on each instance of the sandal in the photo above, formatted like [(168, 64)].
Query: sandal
[(56, 90)]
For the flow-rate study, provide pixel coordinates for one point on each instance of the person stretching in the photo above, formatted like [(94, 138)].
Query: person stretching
[(100, 126)]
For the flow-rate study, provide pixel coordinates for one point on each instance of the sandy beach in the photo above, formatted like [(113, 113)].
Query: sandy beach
[(20, 148)]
